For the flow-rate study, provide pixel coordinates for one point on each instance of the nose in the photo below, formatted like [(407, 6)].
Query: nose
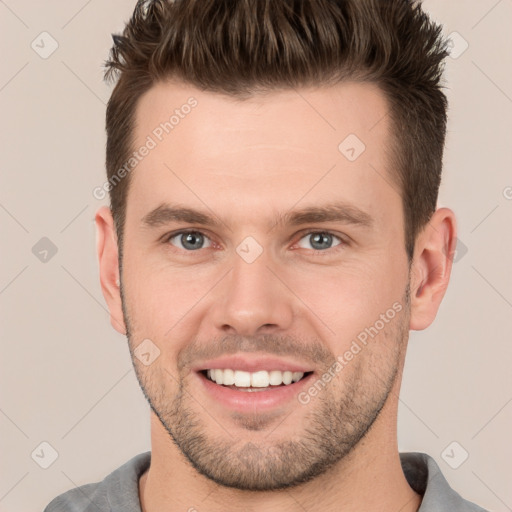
[(253, 298)]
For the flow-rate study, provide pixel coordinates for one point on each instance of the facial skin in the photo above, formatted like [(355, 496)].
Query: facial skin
[(246, 163)]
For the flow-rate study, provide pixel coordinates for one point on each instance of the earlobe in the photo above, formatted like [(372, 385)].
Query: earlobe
[(107, 251), (431, 267)]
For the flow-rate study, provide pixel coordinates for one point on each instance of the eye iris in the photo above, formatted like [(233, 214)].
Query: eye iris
[(194, 239), (318, 238)]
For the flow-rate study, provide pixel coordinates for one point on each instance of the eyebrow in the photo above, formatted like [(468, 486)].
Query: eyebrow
[(332, 212)]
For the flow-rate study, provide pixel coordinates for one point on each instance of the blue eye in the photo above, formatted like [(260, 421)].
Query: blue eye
[(192, 240), (320, 240), (189, 240)]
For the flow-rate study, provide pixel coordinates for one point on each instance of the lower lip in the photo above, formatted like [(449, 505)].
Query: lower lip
[(247, 401)]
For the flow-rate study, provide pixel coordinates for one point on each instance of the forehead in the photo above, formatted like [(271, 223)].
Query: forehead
[(289, 116), (328, 143)]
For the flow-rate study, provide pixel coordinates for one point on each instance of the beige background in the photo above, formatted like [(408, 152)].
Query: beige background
[(66, 376)]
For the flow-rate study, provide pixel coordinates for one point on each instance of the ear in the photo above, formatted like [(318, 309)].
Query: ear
[(431, 268), (106, 246)]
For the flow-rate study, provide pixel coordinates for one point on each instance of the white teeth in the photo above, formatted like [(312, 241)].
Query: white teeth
[(276, 377), (296, 376), (228, 378), (259, 379), (242, 379), (219, 376)]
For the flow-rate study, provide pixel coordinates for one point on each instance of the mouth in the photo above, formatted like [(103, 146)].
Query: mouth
[(258, 381)]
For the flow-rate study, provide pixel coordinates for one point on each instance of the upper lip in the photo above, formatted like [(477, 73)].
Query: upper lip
[(252, 364)]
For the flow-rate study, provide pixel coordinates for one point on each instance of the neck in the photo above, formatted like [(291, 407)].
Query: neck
[(359, 490)]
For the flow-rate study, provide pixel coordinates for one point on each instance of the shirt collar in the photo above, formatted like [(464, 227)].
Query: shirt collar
[(420, 470)]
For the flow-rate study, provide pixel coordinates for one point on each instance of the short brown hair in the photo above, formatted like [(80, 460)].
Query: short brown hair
[(242, 47)]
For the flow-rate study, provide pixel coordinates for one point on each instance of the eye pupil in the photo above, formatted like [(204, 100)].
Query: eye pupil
[(194, 239), (318, 238)]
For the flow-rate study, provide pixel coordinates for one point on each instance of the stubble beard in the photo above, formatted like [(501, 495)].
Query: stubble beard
[(338, 418)]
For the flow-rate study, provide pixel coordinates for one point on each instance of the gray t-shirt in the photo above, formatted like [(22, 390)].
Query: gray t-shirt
[(119, 491)]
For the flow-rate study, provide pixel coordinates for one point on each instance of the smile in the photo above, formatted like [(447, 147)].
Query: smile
[(253, 381)]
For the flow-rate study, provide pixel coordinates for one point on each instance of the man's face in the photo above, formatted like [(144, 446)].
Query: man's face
[(306, 294)]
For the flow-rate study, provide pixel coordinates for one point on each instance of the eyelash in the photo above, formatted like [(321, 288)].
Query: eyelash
[(340, 246)]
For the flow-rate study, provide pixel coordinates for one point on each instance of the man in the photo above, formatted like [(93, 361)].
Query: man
[(273, 169)]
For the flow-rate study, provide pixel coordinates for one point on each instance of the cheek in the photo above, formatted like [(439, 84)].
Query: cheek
[(349, 299), (166, 305), (159, 382), (161, 293)]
